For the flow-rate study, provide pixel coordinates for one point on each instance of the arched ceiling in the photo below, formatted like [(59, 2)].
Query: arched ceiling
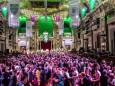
[(28, 10), (62, 10)]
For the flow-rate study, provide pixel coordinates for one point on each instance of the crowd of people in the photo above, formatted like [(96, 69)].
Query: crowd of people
[(56, 69)]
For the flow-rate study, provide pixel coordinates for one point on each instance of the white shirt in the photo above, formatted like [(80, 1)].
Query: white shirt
[(67, 75), (113, 82), (76, 72), (99, 73)]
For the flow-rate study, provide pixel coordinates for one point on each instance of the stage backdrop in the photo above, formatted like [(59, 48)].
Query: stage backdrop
[(45, 46)]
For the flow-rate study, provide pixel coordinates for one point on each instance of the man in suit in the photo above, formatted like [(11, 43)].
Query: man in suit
[(23, 81), (30, 75), (4, 78), (13, 79)]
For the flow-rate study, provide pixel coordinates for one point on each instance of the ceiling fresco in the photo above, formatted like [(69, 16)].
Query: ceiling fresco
[(59, 7), (54, 7)]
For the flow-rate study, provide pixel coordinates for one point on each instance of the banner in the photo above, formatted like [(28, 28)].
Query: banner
[(14, 12), (75, 22), (45, 37), (22, 39), (73, 8), (61, 27), (74, 12), (13, 22), (29, 29)]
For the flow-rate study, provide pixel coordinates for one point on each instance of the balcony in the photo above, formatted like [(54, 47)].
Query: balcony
[(50, 3), (111, 17), (47, 0)]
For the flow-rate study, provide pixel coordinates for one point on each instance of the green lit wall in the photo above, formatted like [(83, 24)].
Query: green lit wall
[(4, 11), (22, 21), (92, 4), (83, 12), (67, 28), (45, 26)]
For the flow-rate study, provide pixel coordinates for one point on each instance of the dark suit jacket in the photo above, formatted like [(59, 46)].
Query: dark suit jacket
[(13, 80), (4, 79), (30, 76)]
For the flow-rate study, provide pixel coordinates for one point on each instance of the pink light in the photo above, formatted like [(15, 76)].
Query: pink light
[(33, 23), (32, 18), (11, 15), (57, 18)]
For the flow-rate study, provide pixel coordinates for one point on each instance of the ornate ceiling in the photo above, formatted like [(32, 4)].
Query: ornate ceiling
[(28, 10), (61, 10)]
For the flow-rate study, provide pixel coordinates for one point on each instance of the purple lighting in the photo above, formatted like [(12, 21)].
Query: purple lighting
[(57, 18), (32, 18)]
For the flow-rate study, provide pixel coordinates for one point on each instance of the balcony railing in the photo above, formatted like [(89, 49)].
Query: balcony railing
[(47, 0)]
